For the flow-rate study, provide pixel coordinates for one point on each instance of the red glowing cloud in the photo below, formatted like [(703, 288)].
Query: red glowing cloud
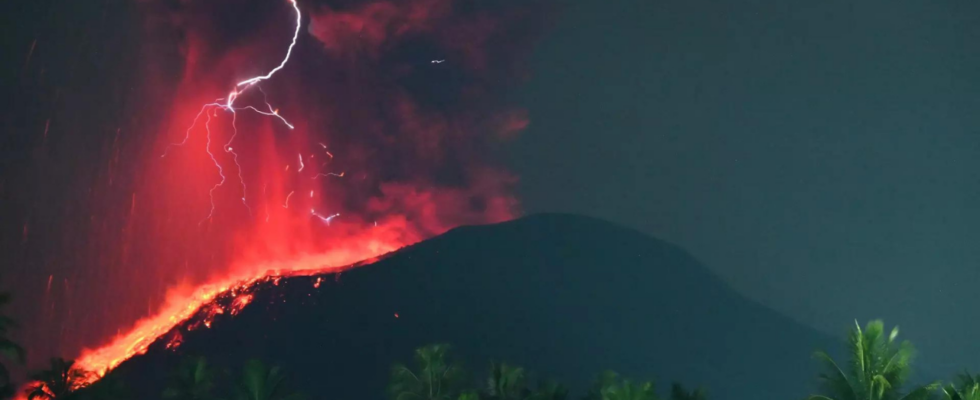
[(370, 26), (376, 134)]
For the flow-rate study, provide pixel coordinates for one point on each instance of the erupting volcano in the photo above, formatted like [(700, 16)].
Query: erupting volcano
[(287, 138)]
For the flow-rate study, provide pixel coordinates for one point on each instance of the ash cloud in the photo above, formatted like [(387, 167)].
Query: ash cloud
[(414, 139), (421, 124)]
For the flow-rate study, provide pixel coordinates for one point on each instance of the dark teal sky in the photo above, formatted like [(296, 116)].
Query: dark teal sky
[(823, 157)]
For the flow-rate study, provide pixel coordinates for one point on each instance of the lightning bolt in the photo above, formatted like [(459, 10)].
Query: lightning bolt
[(340, 175), (228, 105), (299, 21), (229, 149), (325, 219), (221, 171), (272, 112)]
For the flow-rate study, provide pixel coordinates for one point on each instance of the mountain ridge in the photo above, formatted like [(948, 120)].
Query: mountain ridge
[(566, 296)]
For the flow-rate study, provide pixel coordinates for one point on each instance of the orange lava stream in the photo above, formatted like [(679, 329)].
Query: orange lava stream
[(182, 305)]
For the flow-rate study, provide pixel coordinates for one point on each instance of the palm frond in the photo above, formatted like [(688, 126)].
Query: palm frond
[(435, 378), (921, 392), (837, 382), (951, 393)]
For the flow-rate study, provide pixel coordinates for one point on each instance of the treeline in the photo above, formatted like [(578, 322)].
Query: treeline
[(193, 379), (877, 368), (432, 377), (436, 377)]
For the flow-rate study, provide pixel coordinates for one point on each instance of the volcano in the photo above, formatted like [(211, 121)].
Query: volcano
[(565, 296)]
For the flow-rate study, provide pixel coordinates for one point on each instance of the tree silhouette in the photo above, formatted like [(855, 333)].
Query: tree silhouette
[(57, 382), (879, 367), (434, 379), (610, 386), (259, 382), (506, 382), (968, 388), (192, 380)]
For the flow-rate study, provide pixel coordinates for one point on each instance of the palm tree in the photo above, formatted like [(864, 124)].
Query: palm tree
[(609, 386), (969, 388), (677, 392), (507, 382), (435, 377), (57, 382), (8, 348), (260, 382), (879, 367), (193, 380)]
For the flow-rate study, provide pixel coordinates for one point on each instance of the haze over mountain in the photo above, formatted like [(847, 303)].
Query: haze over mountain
[(564, 296)]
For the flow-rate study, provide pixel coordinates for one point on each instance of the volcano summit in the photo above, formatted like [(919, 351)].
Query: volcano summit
[(545, 291)]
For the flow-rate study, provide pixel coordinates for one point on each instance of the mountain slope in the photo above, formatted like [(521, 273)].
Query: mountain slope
[(565, 296)]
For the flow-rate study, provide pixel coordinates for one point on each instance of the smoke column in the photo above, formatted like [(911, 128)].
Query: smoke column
[(377, 133)]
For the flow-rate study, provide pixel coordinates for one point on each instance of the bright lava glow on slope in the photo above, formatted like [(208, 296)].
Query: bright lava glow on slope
[(182, 305)]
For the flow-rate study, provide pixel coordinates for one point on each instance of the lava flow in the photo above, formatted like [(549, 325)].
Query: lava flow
[(349, 143), (183, 306)]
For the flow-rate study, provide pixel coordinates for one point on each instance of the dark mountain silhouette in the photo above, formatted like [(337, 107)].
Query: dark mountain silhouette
[(565, 296)]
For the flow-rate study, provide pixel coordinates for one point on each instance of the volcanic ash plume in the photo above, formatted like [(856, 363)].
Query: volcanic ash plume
[(377, 132)]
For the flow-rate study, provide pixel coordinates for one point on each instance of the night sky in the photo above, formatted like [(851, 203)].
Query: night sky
[(822, 157)]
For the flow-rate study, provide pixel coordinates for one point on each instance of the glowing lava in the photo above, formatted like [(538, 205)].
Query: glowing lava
[(182, 306)]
